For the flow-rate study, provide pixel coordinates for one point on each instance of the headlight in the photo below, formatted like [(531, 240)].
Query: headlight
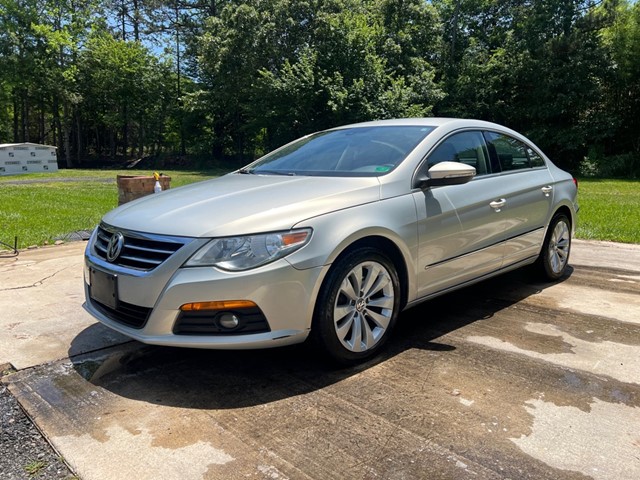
[(250, 251)]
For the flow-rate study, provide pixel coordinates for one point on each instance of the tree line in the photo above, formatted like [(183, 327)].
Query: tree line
[(111, 80)]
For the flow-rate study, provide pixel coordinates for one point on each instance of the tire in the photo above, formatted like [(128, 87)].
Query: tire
[(554, 257), (357, 307)]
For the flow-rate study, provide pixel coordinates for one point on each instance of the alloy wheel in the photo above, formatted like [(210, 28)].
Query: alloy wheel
[(364, 306)]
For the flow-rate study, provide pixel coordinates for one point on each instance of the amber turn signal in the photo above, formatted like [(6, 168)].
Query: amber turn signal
[(218, 305)]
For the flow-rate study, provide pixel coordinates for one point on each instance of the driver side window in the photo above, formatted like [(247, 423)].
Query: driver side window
[(465, 147)]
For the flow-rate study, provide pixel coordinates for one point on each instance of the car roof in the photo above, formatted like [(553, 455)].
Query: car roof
[(444, 124), (427, 122)]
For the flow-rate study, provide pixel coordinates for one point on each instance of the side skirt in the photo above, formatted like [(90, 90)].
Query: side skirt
[(514, 266)]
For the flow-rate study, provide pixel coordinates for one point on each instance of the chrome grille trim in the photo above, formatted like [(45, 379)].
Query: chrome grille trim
[(141, 251)]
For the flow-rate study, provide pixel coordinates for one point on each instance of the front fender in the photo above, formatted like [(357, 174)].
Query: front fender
[(393, 219)]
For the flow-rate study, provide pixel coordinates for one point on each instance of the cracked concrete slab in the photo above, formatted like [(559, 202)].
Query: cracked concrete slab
[(41, 315)]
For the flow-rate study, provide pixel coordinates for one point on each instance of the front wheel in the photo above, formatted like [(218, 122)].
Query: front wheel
[(554, 256), (357, 306)]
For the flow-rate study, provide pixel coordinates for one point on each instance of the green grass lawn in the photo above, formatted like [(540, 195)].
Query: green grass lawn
[(72, 200), (609, 210)]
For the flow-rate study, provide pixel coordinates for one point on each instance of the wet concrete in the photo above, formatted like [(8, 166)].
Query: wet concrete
[(509, 379)]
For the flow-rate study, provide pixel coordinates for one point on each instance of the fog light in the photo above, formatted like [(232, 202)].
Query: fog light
[(228, 320)]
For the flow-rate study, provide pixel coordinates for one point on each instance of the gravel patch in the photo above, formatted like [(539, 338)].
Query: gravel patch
[(24, 453)]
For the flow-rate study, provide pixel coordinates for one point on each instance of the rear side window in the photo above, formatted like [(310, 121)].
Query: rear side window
[(508, 154), (535, 159)]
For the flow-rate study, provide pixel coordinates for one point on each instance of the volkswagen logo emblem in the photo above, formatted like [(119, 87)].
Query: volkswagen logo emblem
[(114, 247)]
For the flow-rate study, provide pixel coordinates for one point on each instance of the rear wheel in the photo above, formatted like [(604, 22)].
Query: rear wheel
[(554, 256), (357, 307)]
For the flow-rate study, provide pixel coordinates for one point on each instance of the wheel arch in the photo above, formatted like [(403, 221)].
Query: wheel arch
[(387, 248), (567, 211), (560, 209)]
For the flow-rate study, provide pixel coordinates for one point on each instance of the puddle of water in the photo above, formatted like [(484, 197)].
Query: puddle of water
[(616, 360), (603, 443)]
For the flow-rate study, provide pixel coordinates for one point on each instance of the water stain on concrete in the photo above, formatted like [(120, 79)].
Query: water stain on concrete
[(157, 462), (621, 306), (588, 356), (568, 438)]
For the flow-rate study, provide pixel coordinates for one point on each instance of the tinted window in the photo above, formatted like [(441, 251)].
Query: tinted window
[(511, 154), (535, 159), (363, 151), (466, 147)]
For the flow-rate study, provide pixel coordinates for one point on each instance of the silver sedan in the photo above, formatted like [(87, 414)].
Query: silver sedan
[(328, 238)]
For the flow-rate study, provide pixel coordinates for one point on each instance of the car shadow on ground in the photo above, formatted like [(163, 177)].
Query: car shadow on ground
[(213, 379)]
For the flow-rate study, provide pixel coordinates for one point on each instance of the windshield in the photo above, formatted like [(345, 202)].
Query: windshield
[(358, 151)]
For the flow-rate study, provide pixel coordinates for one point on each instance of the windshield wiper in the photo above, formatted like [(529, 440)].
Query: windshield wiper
[(274, 172), (245, 171)]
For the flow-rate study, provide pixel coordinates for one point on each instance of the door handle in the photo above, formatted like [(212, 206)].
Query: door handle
[(498, 204), (547, 190)]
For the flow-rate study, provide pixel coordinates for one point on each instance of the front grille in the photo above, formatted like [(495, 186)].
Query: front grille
[(139, 252), (126, 313), (252, 320)]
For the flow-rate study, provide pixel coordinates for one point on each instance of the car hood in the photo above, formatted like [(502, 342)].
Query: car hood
[(238, 204)]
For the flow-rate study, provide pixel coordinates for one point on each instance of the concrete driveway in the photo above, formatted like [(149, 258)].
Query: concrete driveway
[(509, 379)]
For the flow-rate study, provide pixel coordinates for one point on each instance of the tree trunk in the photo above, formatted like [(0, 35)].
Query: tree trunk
[(25, 116), (41, 127), (136, 21), (16, 116), (80, 144), (57, 127), (112, 144), (141, 140), (454, 33), (124, 25), (125, 131), (66, 136), (98, 146)]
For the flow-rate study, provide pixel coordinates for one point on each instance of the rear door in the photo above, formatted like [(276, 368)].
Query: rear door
[(526, 187)]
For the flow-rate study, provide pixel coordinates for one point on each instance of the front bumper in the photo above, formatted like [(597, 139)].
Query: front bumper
[(284, 294)]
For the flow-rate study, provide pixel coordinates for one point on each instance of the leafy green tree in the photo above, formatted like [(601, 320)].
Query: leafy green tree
[(618, 151), (533, 65), (277, 69), (125, 93)]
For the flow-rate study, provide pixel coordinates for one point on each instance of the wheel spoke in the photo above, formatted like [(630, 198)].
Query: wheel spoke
[(356, 334), (381, 302), (380, 319), (372, 276), (341, 311), (343, 326), (369, 339), (381, 282), (347, 288)]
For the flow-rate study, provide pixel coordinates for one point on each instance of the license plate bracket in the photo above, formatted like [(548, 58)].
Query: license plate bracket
[(104, 287)]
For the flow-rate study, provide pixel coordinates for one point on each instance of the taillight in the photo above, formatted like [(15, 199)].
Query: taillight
[(575, 182)]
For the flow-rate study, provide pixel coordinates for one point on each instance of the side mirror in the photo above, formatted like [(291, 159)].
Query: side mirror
[(446, 173)]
